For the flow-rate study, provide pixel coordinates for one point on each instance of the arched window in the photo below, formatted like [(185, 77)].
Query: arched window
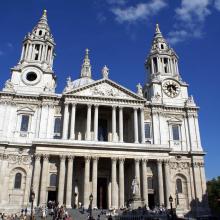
[(17, 183), (53, 180), (57, 128), (150, 182), (179, 186)]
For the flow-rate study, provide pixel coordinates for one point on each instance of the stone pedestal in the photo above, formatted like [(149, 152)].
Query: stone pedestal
[(136, 203)]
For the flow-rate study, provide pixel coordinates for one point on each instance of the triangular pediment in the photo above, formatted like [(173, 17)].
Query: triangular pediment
[(105, 88), (174, 120)]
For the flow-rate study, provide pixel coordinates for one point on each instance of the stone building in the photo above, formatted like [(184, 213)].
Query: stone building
[(97, 136)]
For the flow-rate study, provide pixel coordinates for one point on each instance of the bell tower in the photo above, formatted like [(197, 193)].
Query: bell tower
[(164, 83), (34, 71)]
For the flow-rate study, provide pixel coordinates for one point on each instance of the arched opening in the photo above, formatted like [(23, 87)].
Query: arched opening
[(179, 187), (17, 182)]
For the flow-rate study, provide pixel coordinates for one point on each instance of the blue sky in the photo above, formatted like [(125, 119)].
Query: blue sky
[(119, 34)]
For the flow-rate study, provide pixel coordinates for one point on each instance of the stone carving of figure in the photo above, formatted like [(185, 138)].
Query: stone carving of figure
[(139, 89), (135, 187), (69, 84), (105, 72), (8, 84)]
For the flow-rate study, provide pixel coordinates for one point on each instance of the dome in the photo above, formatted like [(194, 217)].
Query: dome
[(81, 82)]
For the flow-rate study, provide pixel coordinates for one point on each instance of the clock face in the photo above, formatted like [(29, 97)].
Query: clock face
[(171, 88)]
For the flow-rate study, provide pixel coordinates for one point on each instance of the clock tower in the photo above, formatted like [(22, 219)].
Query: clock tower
[(34, 72), (164, 83)]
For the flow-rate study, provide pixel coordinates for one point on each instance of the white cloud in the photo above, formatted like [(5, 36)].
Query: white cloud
[(10, 45), (190, 17), (138, 12), (217, 4), (1, 53)]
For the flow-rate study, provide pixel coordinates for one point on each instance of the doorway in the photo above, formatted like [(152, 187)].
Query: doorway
[(52, 196), (151, 201), (102, 193)]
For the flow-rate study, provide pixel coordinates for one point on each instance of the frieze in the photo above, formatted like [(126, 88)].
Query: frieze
[(19, 159), (179, 165)]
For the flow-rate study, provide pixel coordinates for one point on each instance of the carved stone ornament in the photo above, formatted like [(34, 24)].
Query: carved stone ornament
[(18, 159), (104, 90), (179, 166), (9, 86)]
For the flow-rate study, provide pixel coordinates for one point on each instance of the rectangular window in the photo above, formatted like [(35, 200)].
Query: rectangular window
[(147, 128), (57, 128), (176, 134), (24, 123)]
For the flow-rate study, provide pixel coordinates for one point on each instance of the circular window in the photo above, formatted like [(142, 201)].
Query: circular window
[(31, 76)]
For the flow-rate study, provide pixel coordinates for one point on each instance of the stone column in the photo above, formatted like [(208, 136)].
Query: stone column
[(65, 121), (137, 173), (160, 182), (61, 179), (145, 184), (86, 182), (44, 180), (69, 182), (96, 122), (121, 128), (121, 183), (113, 123), (142, 127), (94, 181), (36, 179), (72, 125), (88, 124), (167, 181), (114, 176), (135, 126)]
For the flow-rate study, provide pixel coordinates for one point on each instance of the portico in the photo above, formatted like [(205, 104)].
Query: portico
[(115, 173)]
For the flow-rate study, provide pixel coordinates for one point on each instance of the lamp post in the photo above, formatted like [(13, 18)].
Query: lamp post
[(90, 199), (171, 206), (32, 201)]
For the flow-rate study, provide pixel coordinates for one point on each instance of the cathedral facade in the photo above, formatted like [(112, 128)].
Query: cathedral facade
[(98, 136)]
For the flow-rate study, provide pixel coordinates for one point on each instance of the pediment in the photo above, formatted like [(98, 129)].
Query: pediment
[(25, 110), (174, 120), (105, 88)]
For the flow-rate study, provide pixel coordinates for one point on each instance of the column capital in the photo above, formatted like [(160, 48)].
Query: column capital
[(96, 105), (114, 159), (89, 105), (135, 108), (37, 156), (95, 158), (159, 161), (114, 106), (166, 162), (144, 160), (45, 156), (121, 159), (121, 107), (62, 157), (70, 157), (66, 103), (73, 104), (137, 159), (87, 158)]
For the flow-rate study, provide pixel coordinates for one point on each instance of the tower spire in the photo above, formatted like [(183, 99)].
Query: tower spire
[(158, 32), (86, 66)]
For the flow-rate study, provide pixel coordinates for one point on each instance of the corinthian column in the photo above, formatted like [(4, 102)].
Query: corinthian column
[(121, 124), (144, 184), (69, 182), (61, 179), (121, 183), (36, 180), (44, 180), (142, 127), (65, 121), (88, 123), (135, 126), (96, 120), (167, 179), (113, 123), (94, 180), (114, 174), (86, 182), (72, 125), (160, 182)]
